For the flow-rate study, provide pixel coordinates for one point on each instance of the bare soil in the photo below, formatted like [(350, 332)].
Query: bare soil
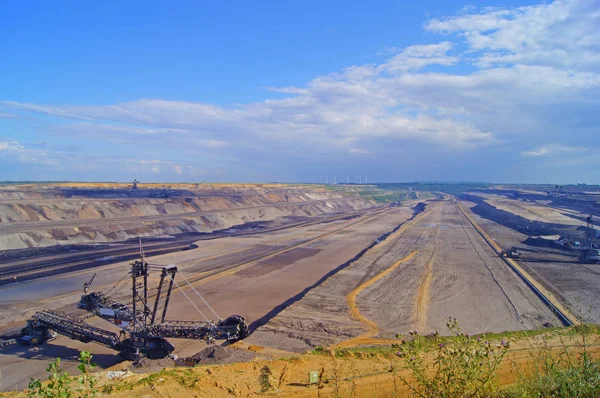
[(454, 273), (256, 276), (575, 284), (66, 215)]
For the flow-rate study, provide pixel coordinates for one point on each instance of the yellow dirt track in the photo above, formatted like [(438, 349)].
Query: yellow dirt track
[(373, 329)]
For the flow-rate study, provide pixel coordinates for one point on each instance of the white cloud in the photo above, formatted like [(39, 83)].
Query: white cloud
[(359, 151), (535, 152), (419, 56), (563, 34), (528, 75), (22, 155), (548, 150), (53, 160)]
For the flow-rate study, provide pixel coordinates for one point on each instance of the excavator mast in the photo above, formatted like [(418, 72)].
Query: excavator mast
[(144, 323)]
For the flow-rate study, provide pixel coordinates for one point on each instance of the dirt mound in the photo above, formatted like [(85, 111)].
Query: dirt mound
[(145, 365), (217, 355)]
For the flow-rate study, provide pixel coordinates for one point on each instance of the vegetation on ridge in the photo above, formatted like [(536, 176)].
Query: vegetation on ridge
[(560, 362)]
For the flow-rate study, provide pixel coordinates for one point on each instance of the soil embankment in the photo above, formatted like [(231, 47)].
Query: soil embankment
[(36, 217), (516, 222)]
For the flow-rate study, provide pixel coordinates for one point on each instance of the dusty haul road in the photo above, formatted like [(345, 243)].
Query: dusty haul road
[(441, 267), (255, 276), (575, 284)]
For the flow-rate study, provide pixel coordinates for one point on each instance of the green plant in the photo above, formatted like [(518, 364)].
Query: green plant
[(569, 371), (189, 378), (463, 366), (59, 381), (58, 386), (86, 380), (265, 379)]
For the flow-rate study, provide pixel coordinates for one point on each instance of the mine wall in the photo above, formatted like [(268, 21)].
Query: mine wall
[(513, 221), (580, 201), (48, 221)]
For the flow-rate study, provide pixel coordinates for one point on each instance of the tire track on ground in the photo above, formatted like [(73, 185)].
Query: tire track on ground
[(423, 296), (202, 278), (422, 302), (512, 304), (373, 328), (563, 314)]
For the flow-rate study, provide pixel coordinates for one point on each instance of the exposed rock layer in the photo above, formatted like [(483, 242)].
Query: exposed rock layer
[(40, 218)]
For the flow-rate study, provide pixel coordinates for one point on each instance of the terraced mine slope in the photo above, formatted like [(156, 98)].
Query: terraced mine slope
[(512, 217), (50, 215)]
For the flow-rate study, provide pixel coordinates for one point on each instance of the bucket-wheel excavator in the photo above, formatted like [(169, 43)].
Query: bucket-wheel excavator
[(145, 328)]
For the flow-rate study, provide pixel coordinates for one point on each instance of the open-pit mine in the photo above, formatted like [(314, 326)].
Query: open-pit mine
[(161, 275)]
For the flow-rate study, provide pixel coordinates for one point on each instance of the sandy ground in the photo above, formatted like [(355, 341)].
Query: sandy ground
[(575, 284), (48, 216), (32, 226), (454, 273), (361, 374), (534, 211), (291, 262)]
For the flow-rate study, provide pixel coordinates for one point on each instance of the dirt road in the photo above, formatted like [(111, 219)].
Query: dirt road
[(454, 274), (576, 285)]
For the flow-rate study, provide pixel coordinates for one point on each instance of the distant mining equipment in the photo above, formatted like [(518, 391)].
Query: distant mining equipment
[(588, 252), (143, 323), (591, 251)]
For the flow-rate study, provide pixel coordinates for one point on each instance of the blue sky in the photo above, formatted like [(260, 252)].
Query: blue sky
[(500, 91)]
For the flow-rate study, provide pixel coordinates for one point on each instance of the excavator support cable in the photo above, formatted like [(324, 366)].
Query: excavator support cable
[(198, 294), (188, 299)]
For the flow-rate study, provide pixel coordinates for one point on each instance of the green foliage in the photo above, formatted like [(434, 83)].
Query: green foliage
[(567, 372), (453, 188), (464, 366), (265, 379), (189, 378), (58, 386), (59, 381), (86, 380)]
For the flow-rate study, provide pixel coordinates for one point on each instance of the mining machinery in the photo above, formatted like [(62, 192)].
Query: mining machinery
[(591, 251), (143, 323)]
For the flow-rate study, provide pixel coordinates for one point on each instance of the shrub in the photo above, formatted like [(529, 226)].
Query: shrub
[(462, 366), (58, 386), (265, 379), (563, 372), (85, 379), (59, 382)]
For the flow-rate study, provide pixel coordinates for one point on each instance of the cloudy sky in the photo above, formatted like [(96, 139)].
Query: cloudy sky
[(502, 91)]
